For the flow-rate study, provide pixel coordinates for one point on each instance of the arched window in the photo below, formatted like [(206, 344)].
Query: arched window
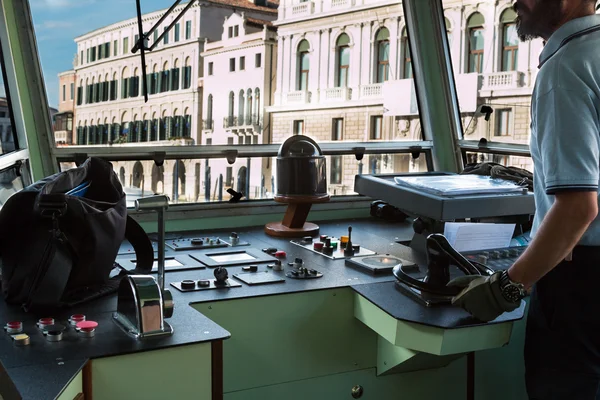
[(510, 40), (229, 121), (152, 81), (145, 128), (115, 130), (178, 180), (342, 50), (257, 109), (448, 30), (476, 42), (158, 176), (134, 84), (208, 124), (113, 87), (241, 108), (242, 181), (137, 179), (303, 66), (105, 131), (249, 107), (187, 74), (175, 75), (125, 83), (166, 78), (382, 51), (407, 72), (94, 91), (187, 127)]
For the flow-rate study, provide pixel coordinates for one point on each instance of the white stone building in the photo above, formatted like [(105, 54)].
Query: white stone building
[(344, 73), (239, 81), (7, 139), (110, 108)]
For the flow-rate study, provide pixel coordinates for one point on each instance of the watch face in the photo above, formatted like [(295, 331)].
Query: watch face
[(512, 293)]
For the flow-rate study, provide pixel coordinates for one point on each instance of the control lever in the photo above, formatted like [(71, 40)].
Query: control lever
[(139, 295), (440, 255)]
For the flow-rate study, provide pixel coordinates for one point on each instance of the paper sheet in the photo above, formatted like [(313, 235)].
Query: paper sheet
[(468, 236)]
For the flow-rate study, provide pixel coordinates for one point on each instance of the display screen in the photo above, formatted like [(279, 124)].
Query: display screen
[(169, 263), (231, 257)]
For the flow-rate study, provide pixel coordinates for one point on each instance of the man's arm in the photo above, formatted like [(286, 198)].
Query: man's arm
[(559, 232)]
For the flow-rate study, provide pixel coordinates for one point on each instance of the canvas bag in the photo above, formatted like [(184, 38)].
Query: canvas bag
[(60, 236)]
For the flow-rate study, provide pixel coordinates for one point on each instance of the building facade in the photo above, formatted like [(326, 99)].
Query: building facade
[(7, 138), (63, 120), (110, 109), (345, 73), (239, 81)]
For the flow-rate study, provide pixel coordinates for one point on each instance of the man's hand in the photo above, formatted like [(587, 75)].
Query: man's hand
[(481, 296)]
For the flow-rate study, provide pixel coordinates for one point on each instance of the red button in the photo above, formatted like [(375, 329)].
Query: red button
[(14, 325), (280, 254), (318, 246), (87, 325), (78, 317), (46, 321)]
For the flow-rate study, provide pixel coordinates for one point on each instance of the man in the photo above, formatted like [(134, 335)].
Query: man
[(562, 263)]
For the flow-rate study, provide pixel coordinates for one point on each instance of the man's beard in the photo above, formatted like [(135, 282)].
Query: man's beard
[(540, 21)]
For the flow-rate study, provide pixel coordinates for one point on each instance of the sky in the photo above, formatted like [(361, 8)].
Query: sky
[(58, 22)]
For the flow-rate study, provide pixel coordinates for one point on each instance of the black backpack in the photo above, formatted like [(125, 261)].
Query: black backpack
[(59, 238)]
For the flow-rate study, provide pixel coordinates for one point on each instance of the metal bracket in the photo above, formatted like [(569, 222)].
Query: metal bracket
[(159, 158), (231, 156), (359, 153), (416, 152)]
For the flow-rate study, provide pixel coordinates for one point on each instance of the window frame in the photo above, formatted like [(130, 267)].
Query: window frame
[(510, 51), (479, 54)]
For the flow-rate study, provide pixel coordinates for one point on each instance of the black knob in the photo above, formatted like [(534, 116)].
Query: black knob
[(221, 275), (188, 284), (234, 235)]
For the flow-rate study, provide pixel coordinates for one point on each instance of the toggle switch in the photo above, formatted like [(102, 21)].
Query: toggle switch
[(13, 327), (86, 329), (54, 332), (75, 318), (280, 254), (44, 322), (21, 339)]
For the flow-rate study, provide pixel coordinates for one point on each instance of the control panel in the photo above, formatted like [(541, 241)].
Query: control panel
[(501, 258), (332, 247)]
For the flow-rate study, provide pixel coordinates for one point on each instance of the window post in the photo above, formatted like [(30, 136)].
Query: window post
[(434, 82)]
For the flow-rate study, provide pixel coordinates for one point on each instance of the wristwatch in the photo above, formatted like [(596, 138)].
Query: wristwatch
[(511, 291)]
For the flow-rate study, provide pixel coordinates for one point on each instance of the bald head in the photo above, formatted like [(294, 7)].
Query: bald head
[(540, 18)]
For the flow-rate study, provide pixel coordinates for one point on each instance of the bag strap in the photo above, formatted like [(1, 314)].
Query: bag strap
[(55, 273), (144, 253)]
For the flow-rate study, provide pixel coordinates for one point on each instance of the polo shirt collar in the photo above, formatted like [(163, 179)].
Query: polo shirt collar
[(561, 35)]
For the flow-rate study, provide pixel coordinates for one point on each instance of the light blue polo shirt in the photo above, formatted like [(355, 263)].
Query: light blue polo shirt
[(565, 118)]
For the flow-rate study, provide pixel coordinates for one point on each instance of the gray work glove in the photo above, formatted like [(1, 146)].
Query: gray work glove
[(481, 296)]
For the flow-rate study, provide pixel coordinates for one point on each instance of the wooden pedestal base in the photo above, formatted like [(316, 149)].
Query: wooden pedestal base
[(294, 221), (279, 230)]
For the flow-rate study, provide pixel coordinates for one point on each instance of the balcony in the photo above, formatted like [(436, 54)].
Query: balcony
[(337, 94), (297, 97), (208, 124), (335, 5), (503, 80), (229, 122), (302, 9), (372, 91)]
